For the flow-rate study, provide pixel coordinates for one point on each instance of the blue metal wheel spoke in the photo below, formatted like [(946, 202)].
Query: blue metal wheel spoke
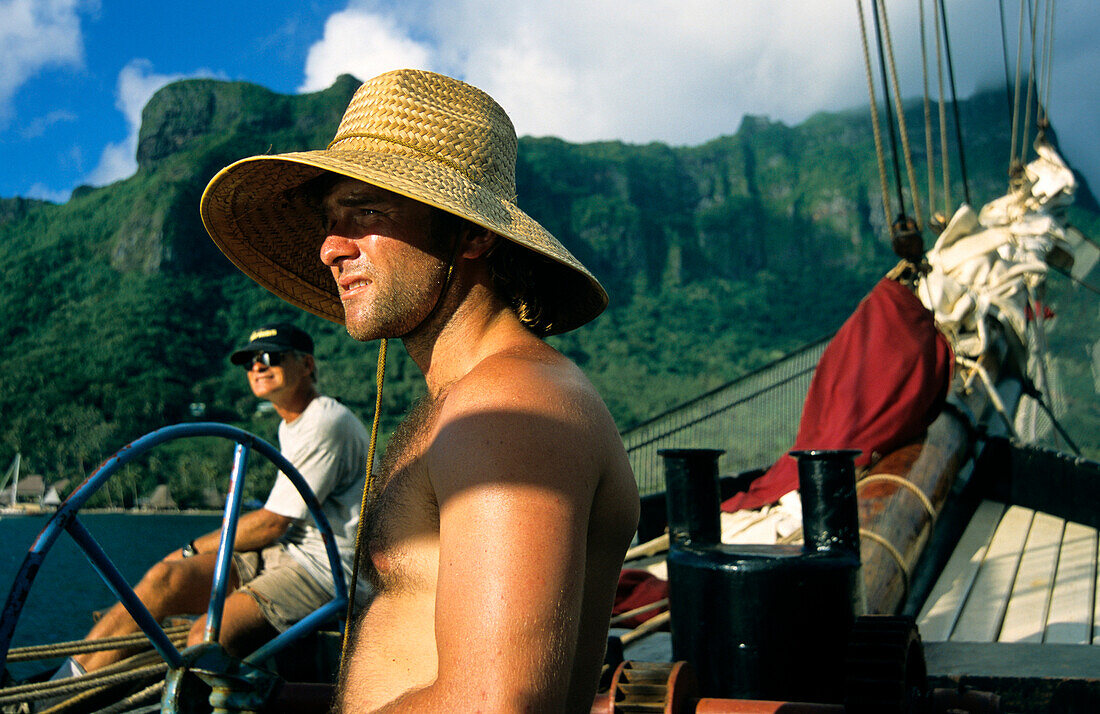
[(124, 592), (303, 627), (225, 544)]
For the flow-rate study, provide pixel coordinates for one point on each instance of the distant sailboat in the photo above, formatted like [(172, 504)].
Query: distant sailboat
[(52, 499), (12, 474)]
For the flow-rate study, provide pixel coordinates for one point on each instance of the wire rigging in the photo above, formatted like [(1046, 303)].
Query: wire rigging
[(1013, 160), (903, 130), (929, 150), (1004, 58), (1048, 62), (945, 164), (876, 129), (886, 106), (1033, 10), (954, 101)]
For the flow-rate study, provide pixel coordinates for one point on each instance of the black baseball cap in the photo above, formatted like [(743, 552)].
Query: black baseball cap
[(279, 337)]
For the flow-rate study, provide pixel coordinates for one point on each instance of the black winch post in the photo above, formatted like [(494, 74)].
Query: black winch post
[(763, 621), (830, 511), (691, 483)]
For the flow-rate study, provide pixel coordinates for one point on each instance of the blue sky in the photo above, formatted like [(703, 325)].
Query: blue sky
[(77, 72)]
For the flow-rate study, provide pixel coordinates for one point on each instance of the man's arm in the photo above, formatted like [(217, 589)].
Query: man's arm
[(515, 488), (255, 530)]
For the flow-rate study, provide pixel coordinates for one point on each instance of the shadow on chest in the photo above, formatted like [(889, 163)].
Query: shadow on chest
[(403, 515)]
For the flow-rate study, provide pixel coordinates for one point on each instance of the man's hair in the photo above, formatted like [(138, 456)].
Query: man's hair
[(519, 276), (301, 356)]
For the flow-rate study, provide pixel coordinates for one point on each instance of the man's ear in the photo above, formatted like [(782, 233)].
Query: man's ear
[(477, 242), (310, 364)]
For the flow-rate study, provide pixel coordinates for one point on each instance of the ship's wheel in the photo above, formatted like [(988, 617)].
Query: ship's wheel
[(236, 682), (656, 687)]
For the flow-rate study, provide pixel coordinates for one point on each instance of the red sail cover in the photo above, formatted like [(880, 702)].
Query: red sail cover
[(636, 588), (879, 384)]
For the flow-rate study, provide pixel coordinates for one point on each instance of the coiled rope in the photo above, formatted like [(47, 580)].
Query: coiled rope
[(149, 693), (130, 669), (65, 649)]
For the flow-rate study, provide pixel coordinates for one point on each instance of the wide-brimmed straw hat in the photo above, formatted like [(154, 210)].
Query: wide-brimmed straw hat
[(423, 135)]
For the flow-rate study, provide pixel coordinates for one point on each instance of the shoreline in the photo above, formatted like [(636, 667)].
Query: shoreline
[(125, 511), (156, 512)]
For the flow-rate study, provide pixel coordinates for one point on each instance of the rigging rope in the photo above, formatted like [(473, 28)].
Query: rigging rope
[(147, 694), (65, 649), (1040, 62), (1031, 391), (1048, 63), (887, 109), (907, 152), (117, 673), (876, 130), (928, 148), (954, 101), (1012, 159), (1030, 85), (946, 164), (1004, 57)]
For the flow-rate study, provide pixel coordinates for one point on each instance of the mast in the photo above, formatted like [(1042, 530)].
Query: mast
[(13, 471)]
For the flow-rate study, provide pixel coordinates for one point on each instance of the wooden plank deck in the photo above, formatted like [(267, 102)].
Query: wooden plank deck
[(1017, 576)]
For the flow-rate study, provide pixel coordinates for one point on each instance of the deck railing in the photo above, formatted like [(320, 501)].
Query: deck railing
[(753, 418)]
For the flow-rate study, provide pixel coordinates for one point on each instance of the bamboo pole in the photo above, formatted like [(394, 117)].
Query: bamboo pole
[(650, 547)]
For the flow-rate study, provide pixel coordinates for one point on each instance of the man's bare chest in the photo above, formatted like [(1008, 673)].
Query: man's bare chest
[(403, 516)]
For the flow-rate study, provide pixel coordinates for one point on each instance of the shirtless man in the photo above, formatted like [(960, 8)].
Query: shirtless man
[(505, 503)]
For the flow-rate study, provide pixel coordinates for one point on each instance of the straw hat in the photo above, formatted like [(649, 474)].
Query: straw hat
[(423, 135)]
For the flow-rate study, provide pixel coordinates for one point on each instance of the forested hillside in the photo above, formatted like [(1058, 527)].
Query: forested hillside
[(117, 313)]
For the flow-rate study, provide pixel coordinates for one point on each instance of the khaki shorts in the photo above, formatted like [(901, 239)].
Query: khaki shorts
[(281, 587)]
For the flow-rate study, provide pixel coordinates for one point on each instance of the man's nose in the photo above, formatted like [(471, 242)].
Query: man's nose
[(335, 247)]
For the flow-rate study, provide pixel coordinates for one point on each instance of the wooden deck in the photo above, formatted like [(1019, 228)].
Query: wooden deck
[(1017, 576)]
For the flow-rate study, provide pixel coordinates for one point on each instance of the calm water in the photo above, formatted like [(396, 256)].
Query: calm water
[(67, 589)]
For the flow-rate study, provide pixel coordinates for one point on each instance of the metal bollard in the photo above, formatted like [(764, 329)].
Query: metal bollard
[(762, 621)]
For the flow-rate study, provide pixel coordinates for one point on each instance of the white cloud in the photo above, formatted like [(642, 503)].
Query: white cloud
[(45, 193), (684, 71), (37, 127), (137, 83), (363, 44), (34, 35), (680, 71)]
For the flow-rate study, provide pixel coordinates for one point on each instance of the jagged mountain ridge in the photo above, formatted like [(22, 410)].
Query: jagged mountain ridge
[(117, 313)]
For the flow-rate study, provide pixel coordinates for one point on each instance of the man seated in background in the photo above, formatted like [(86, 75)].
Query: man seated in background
[(280, 569)]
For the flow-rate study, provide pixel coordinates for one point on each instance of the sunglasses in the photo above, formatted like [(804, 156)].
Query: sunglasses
[(267, 359)]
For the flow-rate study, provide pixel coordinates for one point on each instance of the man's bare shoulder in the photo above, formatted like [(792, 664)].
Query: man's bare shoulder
[(525, 409), (536, 379)]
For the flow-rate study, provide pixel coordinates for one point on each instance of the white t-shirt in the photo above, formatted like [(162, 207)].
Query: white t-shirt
[(328, 445)]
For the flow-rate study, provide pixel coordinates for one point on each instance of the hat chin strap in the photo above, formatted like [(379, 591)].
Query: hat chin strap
[(368, 490), (368, 486)]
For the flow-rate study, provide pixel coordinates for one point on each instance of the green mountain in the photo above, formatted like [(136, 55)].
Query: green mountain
[(117, 312)]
